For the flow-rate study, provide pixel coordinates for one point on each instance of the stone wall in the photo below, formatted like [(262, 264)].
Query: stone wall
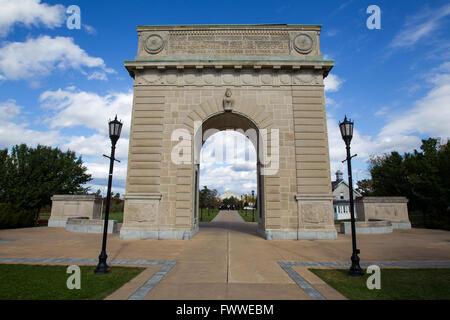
[(393, 209), (72, 206)]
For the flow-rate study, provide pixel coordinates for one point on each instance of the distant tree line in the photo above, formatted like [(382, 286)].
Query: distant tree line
[(422, 176), (29, 177), (208, 199)]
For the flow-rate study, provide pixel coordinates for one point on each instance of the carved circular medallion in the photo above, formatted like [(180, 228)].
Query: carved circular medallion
[(303, 43), (171, 78), (189, 78), (247, 78), (154, 44), (228, 78), (266, 78), (285, 79), (305, 78), (208, 78), (151, 77)]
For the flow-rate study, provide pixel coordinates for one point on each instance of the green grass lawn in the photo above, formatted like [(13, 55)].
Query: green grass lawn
[(43, 282), (115, 216), (44, 215), (247, 215), (339, 221), (396, 284), (205, 217)]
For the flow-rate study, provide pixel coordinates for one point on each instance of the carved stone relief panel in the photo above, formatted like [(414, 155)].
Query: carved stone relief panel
[(228, 77)]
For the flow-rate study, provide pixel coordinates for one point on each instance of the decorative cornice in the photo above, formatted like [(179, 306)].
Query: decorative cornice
[(228, 77), (324, 66), (216, 27)]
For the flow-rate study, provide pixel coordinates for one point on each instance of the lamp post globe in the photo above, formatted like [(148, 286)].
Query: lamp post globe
[(115, 128), (346, 128)]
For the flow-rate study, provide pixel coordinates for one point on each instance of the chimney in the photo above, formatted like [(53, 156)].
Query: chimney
[(339, 175)]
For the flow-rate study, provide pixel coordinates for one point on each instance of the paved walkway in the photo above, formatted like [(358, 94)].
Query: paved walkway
[(227, 259), (228, 216)]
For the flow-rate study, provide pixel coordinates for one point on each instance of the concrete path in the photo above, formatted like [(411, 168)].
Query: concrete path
[(228, 216), (227, 259)]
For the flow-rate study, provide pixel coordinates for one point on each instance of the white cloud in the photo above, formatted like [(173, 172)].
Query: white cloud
[(80, 108), (59, 107), (97, 145), (234, 170), (365, 146), (332, 83), (420, 26), (98, 76), (224, 177), (100, 170), (36, 58), (9, 110), (12, 133), (382, 111), (29, 13), (89, 29), (430, 115)]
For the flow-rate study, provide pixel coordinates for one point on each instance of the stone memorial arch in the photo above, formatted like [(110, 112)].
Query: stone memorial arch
[(266, 80)]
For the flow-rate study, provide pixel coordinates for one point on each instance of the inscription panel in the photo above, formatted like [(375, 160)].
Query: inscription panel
[(229, 44), (242, 42)]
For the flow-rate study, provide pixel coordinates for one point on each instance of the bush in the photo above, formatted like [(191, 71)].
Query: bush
[(10, 217)]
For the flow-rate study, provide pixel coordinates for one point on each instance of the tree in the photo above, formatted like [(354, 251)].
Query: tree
[(421, 176), (364, 187), (98, 193), (116, 196), (232, 202), (30, 176), (208, 198)]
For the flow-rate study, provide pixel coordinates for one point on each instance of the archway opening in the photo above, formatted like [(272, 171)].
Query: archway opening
[(229, 187)]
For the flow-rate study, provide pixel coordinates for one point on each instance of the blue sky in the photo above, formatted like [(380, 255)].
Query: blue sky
[(59, 87)]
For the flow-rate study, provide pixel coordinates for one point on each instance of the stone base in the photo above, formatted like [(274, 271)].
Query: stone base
[(401, 225), (174, 234), (323, 234), (367, 227), (90, 225), (57, 223), (277, 234)]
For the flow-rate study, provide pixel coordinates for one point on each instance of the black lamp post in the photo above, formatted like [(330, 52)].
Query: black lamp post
[(346, 128), (253, 198), (115, 127)]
